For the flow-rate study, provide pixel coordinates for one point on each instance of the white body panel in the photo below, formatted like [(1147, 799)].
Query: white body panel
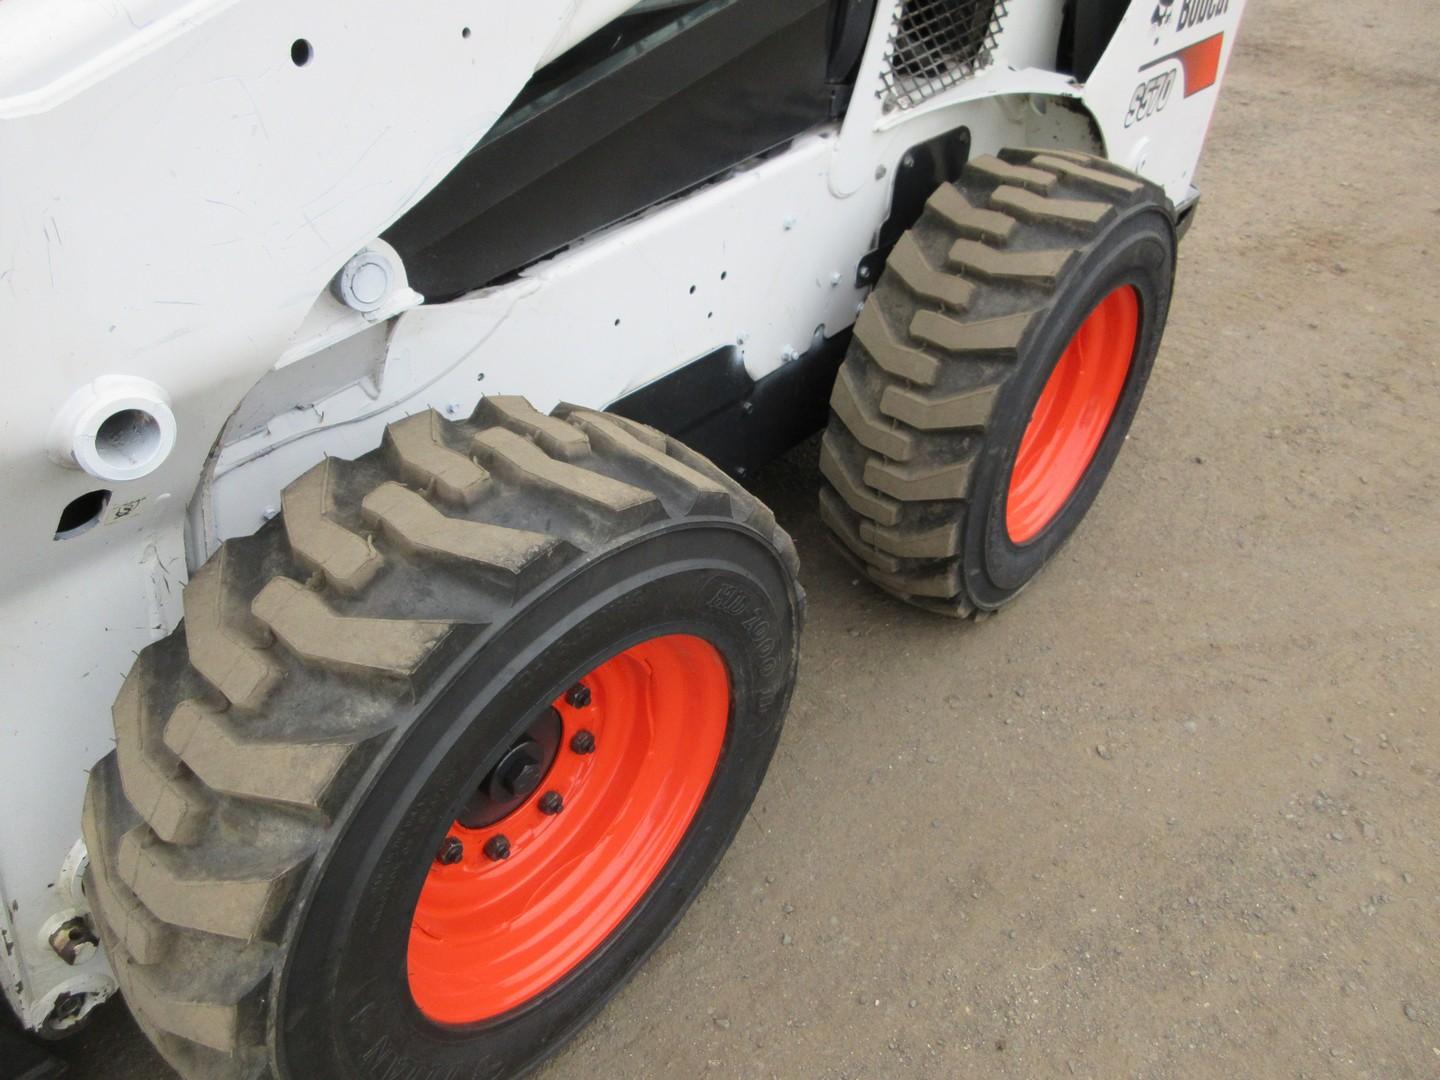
[(176, 195)]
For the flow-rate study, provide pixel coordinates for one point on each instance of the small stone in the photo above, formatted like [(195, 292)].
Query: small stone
[(1408, 878), (1411, 1013), (854, 631), (1337, 836), (786, 939), (913, 1003), (1019, 691), (788, 909), (931, 759), (1104, 752), (1191, 727), (723, 1023)]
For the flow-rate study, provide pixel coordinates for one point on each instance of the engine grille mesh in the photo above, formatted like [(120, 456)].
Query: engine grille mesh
[(935, 44)]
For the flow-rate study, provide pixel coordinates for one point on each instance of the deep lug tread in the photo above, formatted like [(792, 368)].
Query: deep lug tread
[(840, 519), (1005, 172), (154, 779), (914, 483), (939, 583), (1001, 335), (627, 504), (968, 409), (347, 559), (219, 754), (1010, 227), (516, 414), (422, 457), (852, 487), (925, 281), (307, 626), (1031, 207), (707, 494), (220, 643), (870, 429), (973, 222), (1090, 177), (875, 335), (143, 936), (416, 526), (941, 542), (189, 897), (1037, 267)]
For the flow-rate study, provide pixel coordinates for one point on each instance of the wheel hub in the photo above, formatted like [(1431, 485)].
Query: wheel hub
[(517, 774)]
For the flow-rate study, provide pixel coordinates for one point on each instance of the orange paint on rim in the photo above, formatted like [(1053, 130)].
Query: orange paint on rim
[(488, 936), (1072, 415)]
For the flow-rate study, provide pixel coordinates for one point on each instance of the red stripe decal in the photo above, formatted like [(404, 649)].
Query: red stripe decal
[(1200, 61)]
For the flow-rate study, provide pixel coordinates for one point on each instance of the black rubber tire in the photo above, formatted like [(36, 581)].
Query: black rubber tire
[(951, 352), (288, 760)]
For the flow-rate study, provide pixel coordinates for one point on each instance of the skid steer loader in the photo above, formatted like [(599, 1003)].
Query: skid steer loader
[(390, 646)]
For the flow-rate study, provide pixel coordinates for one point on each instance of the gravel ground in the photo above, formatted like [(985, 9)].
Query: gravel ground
[(1174, 814)]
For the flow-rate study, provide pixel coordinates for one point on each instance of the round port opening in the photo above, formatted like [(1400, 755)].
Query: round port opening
[(128, 440)]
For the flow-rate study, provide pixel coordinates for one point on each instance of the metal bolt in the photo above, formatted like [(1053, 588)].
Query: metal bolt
[(525, 780), (864, 273), (497, 848), (67, 1006), (73, 940), (578, 696), (747, 407), (582, 742), (551, 803), (451, 851)]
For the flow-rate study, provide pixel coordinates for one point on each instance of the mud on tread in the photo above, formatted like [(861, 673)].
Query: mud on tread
[(225, 781), (935, 344)]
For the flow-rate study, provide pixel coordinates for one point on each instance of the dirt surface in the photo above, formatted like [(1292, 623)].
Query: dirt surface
[(1177, 812)]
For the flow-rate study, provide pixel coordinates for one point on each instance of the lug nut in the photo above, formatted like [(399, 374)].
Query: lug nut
[(551, 803), (497, 848), (582, 742), (578, 696), (451, 851)]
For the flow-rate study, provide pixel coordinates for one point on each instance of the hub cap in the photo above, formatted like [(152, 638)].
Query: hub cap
[(491, 933), (1072, 415)]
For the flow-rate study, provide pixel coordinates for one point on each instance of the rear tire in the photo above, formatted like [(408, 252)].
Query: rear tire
[(291, 762), (1006, 274)]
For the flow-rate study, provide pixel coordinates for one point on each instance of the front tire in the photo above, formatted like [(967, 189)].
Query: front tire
[(295, 863), (994, 375)]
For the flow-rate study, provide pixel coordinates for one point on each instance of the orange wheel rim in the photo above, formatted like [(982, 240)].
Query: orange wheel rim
[(1072, 415), (632, 766)]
